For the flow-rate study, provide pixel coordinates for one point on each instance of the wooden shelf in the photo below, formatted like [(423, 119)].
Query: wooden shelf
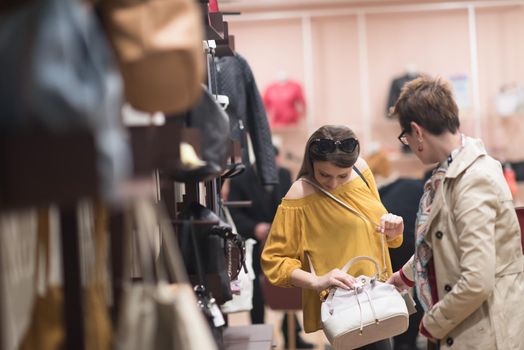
[(40, 169), (253, 337)]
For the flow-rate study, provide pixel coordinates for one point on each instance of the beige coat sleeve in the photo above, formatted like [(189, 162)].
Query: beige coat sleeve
[(407, 269)]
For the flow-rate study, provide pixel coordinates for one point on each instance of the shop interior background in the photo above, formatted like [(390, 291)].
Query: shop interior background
[(345, 54)]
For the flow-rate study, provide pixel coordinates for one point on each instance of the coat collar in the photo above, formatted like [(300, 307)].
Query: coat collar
[(473, 149)]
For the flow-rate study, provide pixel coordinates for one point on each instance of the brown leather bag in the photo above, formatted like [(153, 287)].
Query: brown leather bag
[(159, 46), (99, 332)]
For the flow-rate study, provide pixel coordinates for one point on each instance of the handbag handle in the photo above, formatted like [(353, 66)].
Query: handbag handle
[(350, 263), (354, 211), (357, 259)]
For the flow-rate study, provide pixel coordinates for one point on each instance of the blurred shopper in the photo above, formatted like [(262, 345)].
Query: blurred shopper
[(255, 222), (311, 225), (468, 266)]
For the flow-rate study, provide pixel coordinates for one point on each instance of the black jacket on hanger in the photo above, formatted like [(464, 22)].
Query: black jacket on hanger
[(235, 80), (396, 87), (247, 187)]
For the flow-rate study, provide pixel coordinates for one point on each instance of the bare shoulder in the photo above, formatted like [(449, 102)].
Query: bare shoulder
[(299, 189), (361, 164)]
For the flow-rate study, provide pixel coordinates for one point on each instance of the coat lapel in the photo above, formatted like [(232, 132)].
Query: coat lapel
[(473, 149)]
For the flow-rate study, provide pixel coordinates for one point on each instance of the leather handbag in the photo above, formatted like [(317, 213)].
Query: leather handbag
[(159, 46), (243, 301), (213, 123), (59, 76), (217, 248), (369, 312), (153, 314)]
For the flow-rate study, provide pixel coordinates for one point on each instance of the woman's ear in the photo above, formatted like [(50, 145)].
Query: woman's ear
[(418, 130)]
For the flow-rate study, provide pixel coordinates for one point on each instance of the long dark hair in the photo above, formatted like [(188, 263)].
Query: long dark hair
[(337, 158)]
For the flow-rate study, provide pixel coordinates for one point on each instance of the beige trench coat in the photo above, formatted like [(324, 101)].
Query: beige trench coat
[(475, 236)]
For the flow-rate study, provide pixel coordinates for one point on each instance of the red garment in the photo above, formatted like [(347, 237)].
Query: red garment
[(284, 103), (213, 6)]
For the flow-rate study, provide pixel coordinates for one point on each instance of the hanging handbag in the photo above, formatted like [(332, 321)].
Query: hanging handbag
[(155, 315), (221, 250), (59, 76), (371, 311), (213, 123), (159, 46), (243, 301)]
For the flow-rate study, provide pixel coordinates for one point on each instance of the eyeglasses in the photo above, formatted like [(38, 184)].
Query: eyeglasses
[(325, 146), (403, 139)]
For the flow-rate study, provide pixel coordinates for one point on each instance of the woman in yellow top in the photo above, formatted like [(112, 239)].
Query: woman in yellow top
[(309, 223)]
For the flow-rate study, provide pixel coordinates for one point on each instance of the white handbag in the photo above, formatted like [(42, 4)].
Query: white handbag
[(370, 312), (244, 301)]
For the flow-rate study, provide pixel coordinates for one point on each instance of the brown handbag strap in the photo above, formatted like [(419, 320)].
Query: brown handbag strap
[(101, 232)]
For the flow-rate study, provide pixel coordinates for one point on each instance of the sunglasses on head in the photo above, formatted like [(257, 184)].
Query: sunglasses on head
[(325, 146)]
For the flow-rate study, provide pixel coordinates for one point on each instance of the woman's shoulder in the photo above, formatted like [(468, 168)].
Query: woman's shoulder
[(299, 189), (361, 164)]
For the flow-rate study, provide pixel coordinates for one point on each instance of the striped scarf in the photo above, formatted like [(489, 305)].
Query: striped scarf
[(423, 249)]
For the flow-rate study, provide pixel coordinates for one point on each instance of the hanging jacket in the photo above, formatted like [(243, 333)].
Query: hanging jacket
[(235, 79)]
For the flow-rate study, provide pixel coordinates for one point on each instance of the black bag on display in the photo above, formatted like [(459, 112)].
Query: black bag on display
[(213, 123), (220, 251)]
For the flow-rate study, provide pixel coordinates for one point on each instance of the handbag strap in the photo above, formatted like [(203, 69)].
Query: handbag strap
[(361, 176), (339, 201), (354, 211)]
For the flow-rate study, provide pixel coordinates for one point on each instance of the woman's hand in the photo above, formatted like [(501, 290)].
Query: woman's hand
[(397, 281), (334, 278), (391, 225)]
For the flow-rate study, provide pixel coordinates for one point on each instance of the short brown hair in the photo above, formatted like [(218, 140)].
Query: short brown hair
[(337, 158), (428, 102)]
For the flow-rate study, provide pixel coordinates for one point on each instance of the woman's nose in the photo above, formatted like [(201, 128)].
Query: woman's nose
[(332, 184)]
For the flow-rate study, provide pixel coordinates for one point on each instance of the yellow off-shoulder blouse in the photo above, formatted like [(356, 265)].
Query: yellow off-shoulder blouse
[(330, 234)]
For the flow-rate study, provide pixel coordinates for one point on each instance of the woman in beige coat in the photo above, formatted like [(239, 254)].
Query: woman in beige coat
[(468, 264)]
